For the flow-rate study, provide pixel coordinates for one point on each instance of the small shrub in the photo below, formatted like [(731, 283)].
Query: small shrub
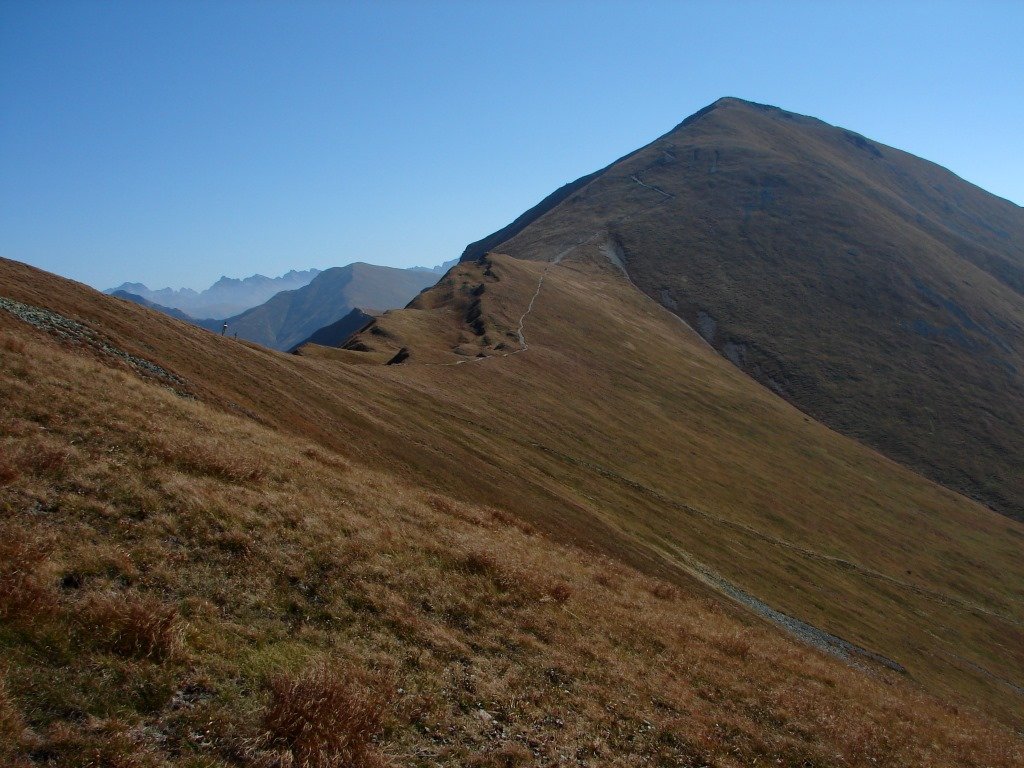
[(12, 344), (8, 470), (12, 727), (96, 744), (733, 645), (25, 594), (228, 462), (560, 592), (131, 625), (325, 717), (662, 590)]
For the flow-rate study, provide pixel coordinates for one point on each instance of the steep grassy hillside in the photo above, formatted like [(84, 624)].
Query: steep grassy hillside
[(877, 291), (183, 583), (291, 317), (622, 432)]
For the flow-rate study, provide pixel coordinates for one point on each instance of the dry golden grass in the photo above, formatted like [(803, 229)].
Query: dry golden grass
[(621, 432), (136, 626), (26, 596), (107, 743), (482, 641), (12, 731), (324, 717)]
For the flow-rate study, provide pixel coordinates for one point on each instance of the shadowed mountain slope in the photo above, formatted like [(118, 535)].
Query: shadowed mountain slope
[(290, 317), (136, 299), (877, 291), (336, 334)]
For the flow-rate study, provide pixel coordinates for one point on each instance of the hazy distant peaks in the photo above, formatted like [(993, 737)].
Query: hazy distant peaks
[(228, 296), (224, 282), (231, 296), (440, 269), (292, 276)]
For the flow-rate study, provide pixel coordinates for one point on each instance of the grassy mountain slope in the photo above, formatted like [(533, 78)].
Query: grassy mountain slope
[(186, 586), (877, 291), (290, 317), (735, 485)]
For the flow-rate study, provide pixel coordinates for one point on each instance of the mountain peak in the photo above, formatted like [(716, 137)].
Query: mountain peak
[(815, 260)]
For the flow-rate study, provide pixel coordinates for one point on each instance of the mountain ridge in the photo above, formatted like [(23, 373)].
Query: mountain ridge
[(289, 318)]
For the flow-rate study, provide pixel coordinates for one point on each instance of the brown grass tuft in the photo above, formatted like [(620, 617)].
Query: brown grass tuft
[(662, 590), (12, 344), (511, 520), (235, 463), (560, 592), (131, 625), (735, 644), (8, 471), (328, 459), (235, 542), (99, 744), (479, 563), (25, 594), (12, 728), (325, 717), (35, 457), (608, 580)]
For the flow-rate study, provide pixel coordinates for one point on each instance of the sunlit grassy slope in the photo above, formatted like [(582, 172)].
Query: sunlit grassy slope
[(620, 428), (235, 512)]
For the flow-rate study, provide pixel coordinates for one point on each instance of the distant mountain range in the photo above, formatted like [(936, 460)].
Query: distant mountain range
[(269, 313), (228, 296)]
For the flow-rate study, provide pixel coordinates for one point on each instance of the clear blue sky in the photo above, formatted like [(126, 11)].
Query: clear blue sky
[(172, 142)]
